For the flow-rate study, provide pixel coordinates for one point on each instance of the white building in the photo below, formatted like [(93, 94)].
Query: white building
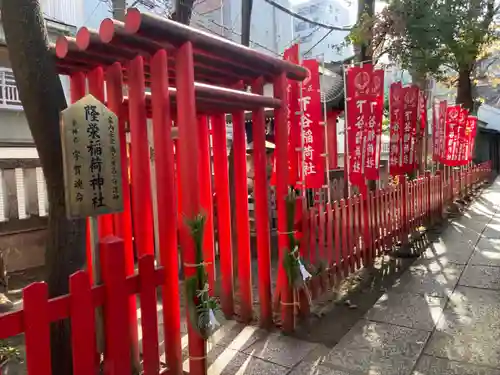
[(271, 29), (318, 41), (60, 16)]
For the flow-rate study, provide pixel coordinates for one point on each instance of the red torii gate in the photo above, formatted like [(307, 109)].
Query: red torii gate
[(208, 73)]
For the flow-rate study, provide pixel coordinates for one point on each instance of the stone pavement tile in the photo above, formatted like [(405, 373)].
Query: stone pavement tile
[(313, 364), (226, 361), (427, 365), (485, 257), (481, 208), (459, 236), (467, 225), (378, 349), (432, 279), (481, 277), (282, 350), (492, 231), (448, 252), (488, 244), (471, 229), (469, 328), (407, 310), (307, 368), (240, 336)]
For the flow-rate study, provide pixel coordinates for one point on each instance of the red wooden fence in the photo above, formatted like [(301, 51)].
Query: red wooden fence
[(346, 235)]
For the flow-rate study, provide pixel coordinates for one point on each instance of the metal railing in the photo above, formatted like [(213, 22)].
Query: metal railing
[(9, 95)]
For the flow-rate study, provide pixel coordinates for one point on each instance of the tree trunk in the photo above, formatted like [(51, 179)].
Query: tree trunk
[(464, 89), (42, 96), (364, 51)]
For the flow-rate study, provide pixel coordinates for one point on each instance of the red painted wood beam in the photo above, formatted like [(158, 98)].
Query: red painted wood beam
[(167, 214), (151, 26)]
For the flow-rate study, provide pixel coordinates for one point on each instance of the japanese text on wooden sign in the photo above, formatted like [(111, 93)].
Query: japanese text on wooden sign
[(91, 157)]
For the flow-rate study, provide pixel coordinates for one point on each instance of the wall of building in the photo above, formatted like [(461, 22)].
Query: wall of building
[(67, 11), (271, 29), (329, 12)]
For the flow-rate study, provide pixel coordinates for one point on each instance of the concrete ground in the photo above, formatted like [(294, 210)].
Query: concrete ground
[(441, 317)]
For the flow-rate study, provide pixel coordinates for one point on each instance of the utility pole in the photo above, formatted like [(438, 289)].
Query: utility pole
[(118, 9)]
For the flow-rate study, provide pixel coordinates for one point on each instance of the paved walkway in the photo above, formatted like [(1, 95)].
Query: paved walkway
[(441, 318)]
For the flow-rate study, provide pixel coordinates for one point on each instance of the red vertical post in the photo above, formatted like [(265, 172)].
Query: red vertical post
[(141, 174), (207, 199), (77, 91), (404, 210), (96, 88), (281, 136), (439, 195), (262, 209), (166, 196), (116, 319), (367, 258), (357, 230), (221, 174), (351, 232), (329, 240), (189, 172), (345, 235), (321, 232), (149, 315), (242, 219), (123, 220), (338, 244), (82, 316), (37, 329)]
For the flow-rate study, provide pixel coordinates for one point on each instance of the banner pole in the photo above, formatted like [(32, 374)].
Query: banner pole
[(347, 184), (325, 125)]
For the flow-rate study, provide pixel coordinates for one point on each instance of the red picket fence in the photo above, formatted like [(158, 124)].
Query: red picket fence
[(79, 306), (347, 235)]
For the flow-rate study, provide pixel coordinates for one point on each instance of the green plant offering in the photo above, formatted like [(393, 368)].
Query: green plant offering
[(8, 353), (295, 270), (202, 308)]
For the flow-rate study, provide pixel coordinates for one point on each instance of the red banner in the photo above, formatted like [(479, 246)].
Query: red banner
[(461, 149), (313, 132), (373, 129), (422, 114), (364, 103), (472, 128), (357, 85), (451, 135), (442, 120), (293, 119), (435, 131), (409, 128), (396, 121)]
